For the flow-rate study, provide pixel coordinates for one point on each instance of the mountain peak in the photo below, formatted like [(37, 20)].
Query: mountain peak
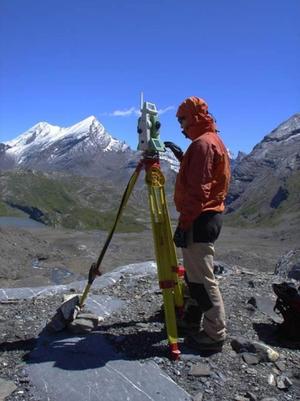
[(86, 121), (40, 125), (36, 134), (89, 119), (285, 130), (48, 144), (85, 126)]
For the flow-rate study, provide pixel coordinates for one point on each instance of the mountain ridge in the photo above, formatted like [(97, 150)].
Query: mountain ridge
[(85, 148), (44, 135), (264, 182)]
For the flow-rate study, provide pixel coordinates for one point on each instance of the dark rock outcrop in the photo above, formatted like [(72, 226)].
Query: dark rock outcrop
[(288, 265)]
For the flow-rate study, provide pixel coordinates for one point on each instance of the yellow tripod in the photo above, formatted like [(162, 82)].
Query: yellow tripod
[(170, 273)]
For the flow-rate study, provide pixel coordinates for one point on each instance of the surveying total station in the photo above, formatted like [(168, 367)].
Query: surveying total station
[(148, 129), (170, 273)]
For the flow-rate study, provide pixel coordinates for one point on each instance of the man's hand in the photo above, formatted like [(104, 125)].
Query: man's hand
[(180, 238), (178, 153)]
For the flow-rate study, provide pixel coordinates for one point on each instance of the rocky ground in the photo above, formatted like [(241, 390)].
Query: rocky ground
[(138, 331), (35, 257)]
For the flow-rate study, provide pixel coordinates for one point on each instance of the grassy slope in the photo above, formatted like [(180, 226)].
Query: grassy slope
[(85, 203), (72, 202), (256, 210)]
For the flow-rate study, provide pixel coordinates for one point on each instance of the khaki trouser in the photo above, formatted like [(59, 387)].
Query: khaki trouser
[(198, 262)]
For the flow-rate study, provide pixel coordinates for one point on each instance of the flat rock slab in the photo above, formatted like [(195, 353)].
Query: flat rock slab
[(136, 270), (103, 305), (88, 368), (200, 370), (6, 388)]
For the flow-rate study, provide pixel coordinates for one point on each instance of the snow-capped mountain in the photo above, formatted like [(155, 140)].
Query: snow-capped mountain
[(169, 158), (265, 183), (85, 148), (87, 134)]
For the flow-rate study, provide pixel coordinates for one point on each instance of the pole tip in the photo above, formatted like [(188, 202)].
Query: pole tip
[(174, 352)]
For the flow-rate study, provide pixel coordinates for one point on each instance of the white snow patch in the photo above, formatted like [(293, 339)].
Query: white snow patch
[(43, 135)]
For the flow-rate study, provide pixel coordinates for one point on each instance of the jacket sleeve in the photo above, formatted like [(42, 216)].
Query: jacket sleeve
[(198, 177)]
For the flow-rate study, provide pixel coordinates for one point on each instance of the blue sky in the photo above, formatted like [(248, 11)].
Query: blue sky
[(62, 61)]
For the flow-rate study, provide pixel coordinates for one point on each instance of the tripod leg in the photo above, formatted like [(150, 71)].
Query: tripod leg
[(94, 269), (165, 255), (178, 271)]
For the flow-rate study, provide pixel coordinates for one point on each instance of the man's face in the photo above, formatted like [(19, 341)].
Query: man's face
[(183, 125)]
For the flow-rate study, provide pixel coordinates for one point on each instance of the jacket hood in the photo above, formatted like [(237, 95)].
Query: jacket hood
[(198, 120)]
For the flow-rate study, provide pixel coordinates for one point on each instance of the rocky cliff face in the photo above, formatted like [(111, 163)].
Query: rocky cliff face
[(6, 161), (265, 183)]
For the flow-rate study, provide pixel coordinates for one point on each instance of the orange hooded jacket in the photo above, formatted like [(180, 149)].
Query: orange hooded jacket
[(204, 175)]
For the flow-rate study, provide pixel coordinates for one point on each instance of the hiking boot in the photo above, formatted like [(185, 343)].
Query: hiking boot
[(184, 327), (202, 342), (190, 322)]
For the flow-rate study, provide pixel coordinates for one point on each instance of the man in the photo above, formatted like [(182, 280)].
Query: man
[(200, 190)]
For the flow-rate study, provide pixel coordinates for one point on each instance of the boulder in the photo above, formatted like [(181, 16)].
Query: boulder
[(288, 266), (6, 388), (263, 351)]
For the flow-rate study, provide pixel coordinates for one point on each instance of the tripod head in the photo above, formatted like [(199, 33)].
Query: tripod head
[(148, 129)]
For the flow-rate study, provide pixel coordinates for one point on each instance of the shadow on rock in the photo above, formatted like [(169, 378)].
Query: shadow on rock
[(147, 339), (72, 353), (19, 345), (138, 339), (271, 334), (131, 340)]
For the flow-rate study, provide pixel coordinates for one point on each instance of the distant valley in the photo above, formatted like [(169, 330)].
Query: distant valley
[(74, 178)]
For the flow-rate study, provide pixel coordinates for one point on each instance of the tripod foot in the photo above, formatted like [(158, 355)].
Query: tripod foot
[(174, 352)]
